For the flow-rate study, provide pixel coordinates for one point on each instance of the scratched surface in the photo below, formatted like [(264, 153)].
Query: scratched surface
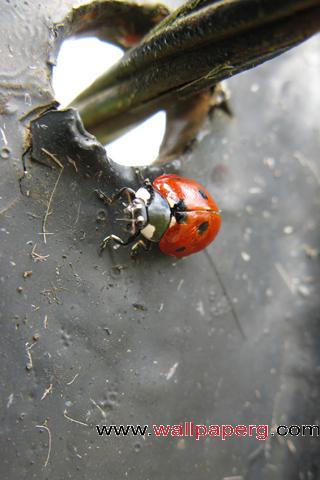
[(226, 336)]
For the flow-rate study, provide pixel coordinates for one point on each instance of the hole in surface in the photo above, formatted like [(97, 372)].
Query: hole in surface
[(79, 63), (141, 145)]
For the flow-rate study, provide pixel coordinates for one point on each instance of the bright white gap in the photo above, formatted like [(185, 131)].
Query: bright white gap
[(79, 63), (141, 145)]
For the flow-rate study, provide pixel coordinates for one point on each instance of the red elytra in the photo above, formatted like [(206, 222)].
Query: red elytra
[(200, 219)]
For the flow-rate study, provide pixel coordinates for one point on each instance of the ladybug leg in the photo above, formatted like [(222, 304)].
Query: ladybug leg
[(146, 182), (130, 194), (140, 244), (117, 240)]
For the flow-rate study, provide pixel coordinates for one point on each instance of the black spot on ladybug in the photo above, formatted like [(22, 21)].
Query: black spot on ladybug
[(203, 195), (203, 227), (179, 211), (181, 217), (180, 249), (180, 206)]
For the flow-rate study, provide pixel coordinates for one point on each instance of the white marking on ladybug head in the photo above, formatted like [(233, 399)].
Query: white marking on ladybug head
[(143, 194), (148, 231)]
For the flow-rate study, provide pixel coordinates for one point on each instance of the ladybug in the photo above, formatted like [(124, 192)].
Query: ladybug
[(177, 213)]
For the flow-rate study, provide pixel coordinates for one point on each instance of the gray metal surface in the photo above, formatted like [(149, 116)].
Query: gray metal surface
[(230, 335)]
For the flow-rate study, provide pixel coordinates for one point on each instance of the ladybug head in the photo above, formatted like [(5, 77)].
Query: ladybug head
[(136, 215), (147, 212)]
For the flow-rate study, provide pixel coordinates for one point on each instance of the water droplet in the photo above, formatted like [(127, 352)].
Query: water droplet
[(5, 153), (101, 216), (137, 447)]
